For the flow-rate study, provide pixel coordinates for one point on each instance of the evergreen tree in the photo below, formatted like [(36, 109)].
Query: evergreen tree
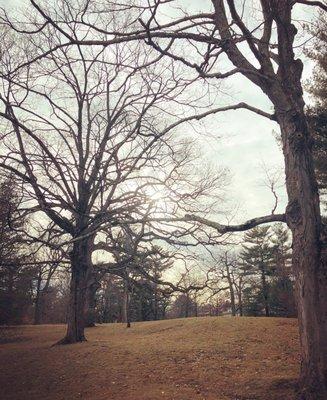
[(282, 294), (266, 262), (258, 262), (133, 291), (183, 307), (281, 250)]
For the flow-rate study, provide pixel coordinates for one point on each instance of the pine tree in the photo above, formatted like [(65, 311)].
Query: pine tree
[(258, 261), (266, 262), (282, 292), (281, 250)]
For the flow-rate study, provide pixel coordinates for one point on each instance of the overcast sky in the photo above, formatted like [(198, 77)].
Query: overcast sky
[(247, 140)]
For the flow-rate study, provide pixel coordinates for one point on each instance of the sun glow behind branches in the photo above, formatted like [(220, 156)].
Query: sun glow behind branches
[(162, 202)]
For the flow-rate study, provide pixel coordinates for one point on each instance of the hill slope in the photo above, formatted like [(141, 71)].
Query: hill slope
[(184, 359)]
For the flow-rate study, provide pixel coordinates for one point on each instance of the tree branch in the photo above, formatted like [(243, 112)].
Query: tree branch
[(312, 3), (237, 228)]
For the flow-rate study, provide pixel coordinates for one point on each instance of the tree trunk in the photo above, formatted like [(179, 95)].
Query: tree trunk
[(90, 303), (80, 275), (231, 292), (309, 254), (38, 302), (126, 303), (38, 310), (155, 302), (265, 292), (187, 301), (302, 213), (240, 304), (163, 312), (284, 89), (90, 307), (303, 210), (239, 292)]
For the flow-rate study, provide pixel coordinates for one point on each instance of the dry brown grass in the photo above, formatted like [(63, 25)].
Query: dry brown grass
[(184, 359)]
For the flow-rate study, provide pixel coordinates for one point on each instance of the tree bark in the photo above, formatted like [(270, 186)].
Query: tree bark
[(90, 303), (80, 276), (303, 218), (309, 254)]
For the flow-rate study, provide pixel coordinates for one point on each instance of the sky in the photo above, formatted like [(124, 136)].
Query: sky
[(240, 140)]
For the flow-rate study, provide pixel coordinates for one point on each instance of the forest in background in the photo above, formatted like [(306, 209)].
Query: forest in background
[(252, 279)]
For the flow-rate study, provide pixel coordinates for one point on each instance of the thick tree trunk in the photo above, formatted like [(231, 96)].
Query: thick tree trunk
[(284, 89), (90, 303), (302, 212), (309, 253), (90, 308), (80, 276)]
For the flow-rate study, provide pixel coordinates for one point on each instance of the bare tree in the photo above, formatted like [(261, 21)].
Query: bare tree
[(88, 131), (267, 59), (224, 273), (229, 263), (45, 273)]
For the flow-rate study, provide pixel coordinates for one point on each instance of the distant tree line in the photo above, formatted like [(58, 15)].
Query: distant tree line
[(252, 280)]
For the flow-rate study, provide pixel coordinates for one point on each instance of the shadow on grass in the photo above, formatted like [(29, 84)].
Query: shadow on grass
[(283, 389)]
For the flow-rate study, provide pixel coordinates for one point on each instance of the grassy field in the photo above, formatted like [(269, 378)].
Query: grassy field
[(183, 359)]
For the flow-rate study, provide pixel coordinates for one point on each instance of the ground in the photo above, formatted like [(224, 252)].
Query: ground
[(211, 358)]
